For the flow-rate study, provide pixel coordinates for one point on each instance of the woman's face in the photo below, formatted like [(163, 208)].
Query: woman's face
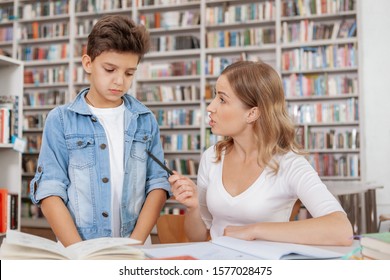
[(228, 114)]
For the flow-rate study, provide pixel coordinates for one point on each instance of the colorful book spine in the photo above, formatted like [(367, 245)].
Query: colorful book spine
[(13, 205), (3, 209)]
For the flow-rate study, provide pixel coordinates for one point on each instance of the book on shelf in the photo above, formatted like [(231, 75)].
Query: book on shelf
[(8, 117), (12, 210), (222, 248), (336, 29), (376, 245), (20, 245), (3, 209)]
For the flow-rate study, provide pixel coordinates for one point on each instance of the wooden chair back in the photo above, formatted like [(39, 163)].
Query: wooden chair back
[(170, 229), (295, 210)]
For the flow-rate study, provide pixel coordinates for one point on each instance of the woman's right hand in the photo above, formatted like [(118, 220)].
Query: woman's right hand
[(184, 190)]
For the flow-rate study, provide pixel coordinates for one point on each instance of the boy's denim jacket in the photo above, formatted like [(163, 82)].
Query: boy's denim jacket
[(74, 165)]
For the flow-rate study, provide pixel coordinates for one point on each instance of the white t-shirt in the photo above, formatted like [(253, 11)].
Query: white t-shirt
[(112, 120), (269, 199)]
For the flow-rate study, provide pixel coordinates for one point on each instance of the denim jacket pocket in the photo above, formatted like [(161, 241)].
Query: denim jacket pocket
[(81, 151), (141, 138)]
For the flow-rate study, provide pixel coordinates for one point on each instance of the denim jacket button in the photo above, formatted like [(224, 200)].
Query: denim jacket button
[(79, 143), (39, 169), (105, 180), (105, 214), (103, 146), (145, 137), (93, 119)]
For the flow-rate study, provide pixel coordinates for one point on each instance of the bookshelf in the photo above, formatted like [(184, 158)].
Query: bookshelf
[(43, 40), (192, 41), (11, 77), (319, 69), (235, 30), (169, 79)]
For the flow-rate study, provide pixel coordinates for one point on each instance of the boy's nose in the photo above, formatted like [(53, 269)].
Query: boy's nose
[(119, 80)]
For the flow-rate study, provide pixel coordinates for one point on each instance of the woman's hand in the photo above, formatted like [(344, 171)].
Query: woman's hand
[(184, 190), (240, 232)]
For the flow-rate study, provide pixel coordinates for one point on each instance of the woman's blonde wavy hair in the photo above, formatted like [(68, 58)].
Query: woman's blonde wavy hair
[(257, 84)]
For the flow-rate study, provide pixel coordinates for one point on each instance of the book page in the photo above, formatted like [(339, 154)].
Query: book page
[(21, 252), (23, 242), (198, 250), (82, 250), (19, 245), (276, 250), (121, 252)]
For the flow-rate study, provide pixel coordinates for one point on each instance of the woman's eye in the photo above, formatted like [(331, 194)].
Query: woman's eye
[(221, 100), (109, 70)]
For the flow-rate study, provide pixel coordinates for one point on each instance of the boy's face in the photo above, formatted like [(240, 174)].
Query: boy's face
[(110, 76)]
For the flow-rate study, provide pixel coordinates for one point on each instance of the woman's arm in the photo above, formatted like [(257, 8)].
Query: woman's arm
[(185, 192), (194, 226), (60, 220), (149, 214), (332, 229)]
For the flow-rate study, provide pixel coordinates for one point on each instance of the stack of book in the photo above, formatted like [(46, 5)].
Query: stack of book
[(376, 246)]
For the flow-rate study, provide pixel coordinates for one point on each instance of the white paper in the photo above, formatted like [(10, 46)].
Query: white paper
[(201, 251), (276, 250), (228, 248)]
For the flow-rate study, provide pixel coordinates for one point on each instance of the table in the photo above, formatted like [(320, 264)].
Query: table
[(359, 202)]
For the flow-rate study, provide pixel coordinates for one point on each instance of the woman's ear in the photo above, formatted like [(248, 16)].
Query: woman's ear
[(253, 115), (86, 61)]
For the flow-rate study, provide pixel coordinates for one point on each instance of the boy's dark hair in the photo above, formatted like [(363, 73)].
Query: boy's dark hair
[(117, 33)]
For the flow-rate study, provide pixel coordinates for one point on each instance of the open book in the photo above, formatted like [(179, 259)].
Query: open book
[(225, 248), (19, 245)]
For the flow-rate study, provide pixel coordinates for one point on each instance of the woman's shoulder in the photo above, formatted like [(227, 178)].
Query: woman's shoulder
[(208, 156), (210, 152), (291, 156), (290, 159)]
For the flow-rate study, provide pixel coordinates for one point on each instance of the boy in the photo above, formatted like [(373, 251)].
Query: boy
[(94, 177)]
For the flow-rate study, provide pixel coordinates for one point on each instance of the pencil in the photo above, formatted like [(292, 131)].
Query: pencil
[(159, 162)]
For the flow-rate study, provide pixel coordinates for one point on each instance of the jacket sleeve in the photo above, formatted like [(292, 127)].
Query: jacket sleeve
[(156, 177), (51, 177)]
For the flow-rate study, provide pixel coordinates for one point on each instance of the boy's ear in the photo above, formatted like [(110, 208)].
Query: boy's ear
[(86, 60)]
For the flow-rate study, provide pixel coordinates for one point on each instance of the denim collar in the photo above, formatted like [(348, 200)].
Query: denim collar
[(80, 106)]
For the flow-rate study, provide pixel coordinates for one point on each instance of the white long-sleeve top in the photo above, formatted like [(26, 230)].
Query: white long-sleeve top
[(269, 199)]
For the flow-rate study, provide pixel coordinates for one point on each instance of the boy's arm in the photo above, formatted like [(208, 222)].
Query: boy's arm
[(149, 214), (60, 220)]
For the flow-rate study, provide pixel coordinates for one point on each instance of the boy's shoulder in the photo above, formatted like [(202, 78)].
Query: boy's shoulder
[(59, 108), (135, 104)]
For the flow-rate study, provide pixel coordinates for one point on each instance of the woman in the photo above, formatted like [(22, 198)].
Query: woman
[(248, 183)]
